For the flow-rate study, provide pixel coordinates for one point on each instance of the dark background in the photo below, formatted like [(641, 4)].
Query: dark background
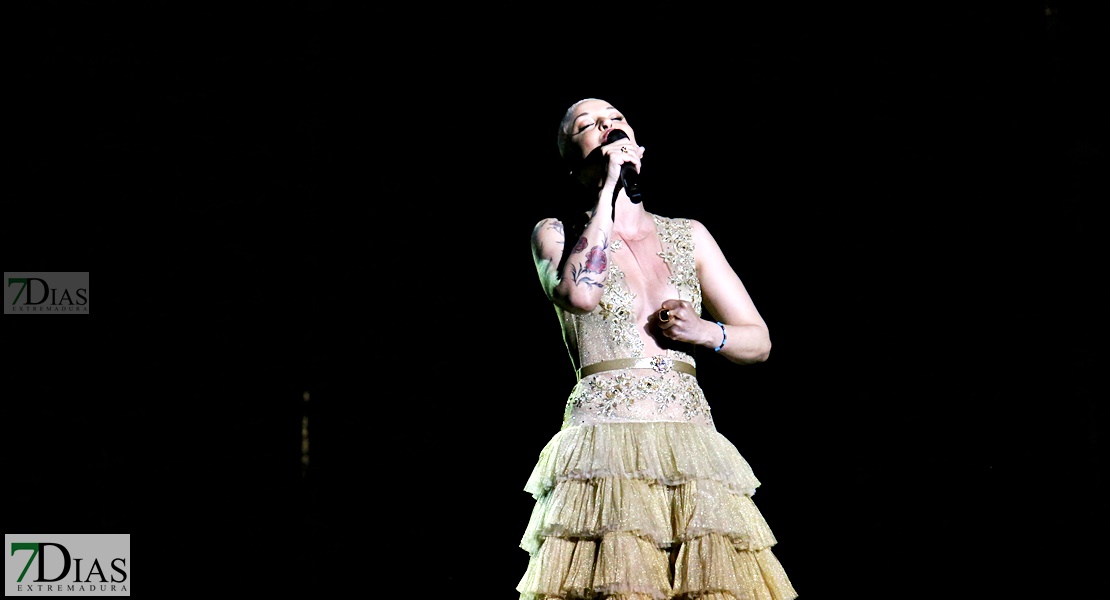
[(283, 198)]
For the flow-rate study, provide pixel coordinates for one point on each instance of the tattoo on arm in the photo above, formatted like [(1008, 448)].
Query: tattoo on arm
[(581, 245), (596, 263), (545, 267)]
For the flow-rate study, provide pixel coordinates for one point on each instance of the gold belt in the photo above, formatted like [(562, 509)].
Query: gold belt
[(661, 364)]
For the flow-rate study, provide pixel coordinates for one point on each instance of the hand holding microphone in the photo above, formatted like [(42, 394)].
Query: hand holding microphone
[(630, 179)]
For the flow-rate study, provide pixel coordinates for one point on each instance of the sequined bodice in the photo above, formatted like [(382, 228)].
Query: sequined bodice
[(613, 330)]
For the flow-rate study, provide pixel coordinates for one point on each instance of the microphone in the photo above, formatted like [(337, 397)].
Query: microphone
[(630, 179)]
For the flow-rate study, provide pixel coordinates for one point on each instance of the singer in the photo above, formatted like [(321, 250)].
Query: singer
[(637, 495)]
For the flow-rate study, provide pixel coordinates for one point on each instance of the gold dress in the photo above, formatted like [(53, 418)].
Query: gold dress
[(637, 496)]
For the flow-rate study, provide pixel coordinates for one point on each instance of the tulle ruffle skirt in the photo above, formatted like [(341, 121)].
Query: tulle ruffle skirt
[(647, 510)]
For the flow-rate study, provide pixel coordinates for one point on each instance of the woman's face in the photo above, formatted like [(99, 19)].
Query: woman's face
[(590, 125)]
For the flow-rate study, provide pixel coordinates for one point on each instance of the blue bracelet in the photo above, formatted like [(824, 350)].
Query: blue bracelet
[(724, 337)]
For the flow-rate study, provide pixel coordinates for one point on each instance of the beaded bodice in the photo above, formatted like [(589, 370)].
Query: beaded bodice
[(613, 329), (616, 329)]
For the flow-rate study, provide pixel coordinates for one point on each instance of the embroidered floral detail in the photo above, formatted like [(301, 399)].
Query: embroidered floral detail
[(616, 309), (677, 237), (637, 395)]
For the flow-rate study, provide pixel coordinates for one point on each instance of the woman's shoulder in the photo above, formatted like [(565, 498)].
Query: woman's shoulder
[(542, 229), (560, 224), (550, 230), (545, 222), (686, 223), (686, 232)]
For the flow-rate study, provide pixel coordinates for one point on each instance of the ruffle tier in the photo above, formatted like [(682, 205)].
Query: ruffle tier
[(647, 510)]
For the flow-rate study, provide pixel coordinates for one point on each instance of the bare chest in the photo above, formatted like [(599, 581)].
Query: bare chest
[(646, 275)]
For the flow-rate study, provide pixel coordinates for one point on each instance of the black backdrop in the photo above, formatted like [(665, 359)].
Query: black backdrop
[(281, 198)]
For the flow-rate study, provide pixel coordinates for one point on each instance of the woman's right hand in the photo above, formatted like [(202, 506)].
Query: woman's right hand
[(618, 153)]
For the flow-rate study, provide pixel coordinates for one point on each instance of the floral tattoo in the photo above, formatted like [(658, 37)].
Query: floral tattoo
[(595, 263)]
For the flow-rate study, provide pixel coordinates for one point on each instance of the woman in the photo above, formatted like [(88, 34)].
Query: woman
[(637, 495)]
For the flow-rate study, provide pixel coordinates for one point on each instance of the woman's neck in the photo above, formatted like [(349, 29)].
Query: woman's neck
[(632, 222)]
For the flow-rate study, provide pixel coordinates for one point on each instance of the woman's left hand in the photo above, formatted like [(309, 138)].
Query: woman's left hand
[(677, 321)]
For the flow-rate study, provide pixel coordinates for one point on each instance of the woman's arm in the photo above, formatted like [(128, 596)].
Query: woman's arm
[(725, 298), (573, 278)]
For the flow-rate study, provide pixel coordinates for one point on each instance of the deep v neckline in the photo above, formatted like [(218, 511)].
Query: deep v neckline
[(647, 265)]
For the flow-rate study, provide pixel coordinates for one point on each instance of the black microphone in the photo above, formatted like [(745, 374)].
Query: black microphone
[(630, 179)]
